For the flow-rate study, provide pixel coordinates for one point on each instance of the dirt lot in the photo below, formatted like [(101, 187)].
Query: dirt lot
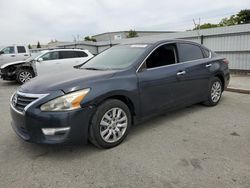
[(194, 147)]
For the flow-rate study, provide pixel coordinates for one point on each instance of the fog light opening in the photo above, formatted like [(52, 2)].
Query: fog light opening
[(55, 131)]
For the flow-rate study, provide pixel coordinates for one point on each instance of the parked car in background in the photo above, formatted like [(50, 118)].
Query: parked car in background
[(48, 61), (122, 85), (13, 53)]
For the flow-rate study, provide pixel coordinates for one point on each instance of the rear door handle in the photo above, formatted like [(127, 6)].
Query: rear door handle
[(208, 65), (12, 56), (26, 55), (181, 73)]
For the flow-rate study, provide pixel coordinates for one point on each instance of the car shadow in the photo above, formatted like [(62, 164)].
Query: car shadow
[(8, 83), (70, 151)]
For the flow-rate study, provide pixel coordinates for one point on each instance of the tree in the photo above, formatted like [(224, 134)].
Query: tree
[(241, 17), (29, 46), (233, 20), (38, 45), (88, 38), (132, 34), (205, 26)]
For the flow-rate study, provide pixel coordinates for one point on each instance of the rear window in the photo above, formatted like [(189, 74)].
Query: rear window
[(21, 49), (189, 52), (81, 54)]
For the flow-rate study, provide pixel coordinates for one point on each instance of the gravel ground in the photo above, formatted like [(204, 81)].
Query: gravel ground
[(193, 147)]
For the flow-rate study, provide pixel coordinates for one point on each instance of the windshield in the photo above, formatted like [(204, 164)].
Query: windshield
[(117, 57), (34, 56)]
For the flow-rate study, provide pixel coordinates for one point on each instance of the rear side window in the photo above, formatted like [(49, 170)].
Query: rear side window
[(162, 56), (81, 54), (67, 54), (21, 49), (189, 52)]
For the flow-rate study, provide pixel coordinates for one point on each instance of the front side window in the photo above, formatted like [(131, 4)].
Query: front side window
[(9, 50), (21, 49), (162, 56), (50, 56), (189, 52)]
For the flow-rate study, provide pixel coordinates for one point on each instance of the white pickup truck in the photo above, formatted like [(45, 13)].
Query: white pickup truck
[(13, 53)]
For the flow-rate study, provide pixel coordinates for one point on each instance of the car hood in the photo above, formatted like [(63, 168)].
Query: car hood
[(66, 81), (12, 63)]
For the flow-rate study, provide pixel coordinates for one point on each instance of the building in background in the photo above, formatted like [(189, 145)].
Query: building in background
[(123, 35), (232, 42)]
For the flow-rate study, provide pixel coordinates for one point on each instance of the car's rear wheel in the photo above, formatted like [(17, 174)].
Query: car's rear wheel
[(23, 75), (214, 93), (110, 124)]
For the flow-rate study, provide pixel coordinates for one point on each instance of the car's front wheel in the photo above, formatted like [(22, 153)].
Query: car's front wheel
[(214, 92), (110, 124), (23, 75)]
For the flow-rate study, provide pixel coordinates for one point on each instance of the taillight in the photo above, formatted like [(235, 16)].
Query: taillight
[(225, 61)]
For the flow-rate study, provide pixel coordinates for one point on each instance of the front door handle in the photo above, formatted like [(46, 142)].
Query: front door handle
[(12, 56), (181, 73), (208, 65)]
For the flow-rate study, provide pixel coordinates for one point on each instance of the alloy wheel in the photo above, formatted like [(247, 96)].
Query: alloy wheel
[(25, 76), (113, 125), (216, 91)]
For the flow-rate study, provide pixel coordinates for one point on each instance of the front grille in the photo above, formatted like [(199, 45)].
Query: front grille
[(20, 101)]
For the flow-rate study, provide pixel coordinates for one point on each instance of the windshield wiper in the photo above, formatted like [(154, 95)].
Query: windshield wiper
[(91, 68)]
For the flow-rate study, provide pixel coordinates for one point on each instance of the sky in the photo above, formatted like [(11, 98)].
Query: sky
[(29, 21)]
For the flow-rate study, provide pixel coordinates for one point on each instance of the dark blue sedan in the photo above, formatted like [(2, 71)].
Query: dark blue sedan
[(101, 99)]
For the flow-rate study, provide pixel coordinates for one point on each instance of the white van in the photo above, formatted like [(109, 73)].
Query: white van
[(13, 53), (47, 61)]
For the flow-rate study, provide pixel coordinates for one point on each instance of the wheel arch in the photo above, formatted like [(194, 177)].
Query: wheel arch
[(122, 98), (221, 77)]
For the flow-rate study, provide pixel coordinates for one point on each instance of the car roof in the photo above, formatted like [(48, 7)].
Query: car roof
[(157, 42), (67, 49)]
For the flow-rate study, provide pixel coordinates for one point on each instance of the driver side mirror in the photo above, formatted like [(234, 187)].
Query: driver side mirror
[(40, 59), (1, 52)]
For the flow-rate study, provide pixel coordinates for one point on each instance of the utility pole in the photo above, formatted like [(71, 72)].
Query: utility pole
[(197, 27)]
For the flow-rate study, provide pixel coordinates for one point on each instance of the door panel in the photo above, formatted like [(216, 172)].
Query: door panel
[(161, 88), (49, 66), (197, 74), (9, 55), (22, 53)]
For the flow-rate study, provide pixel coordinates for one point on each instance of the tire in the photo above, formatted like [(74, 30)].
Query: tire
[(106, 130), (214, 92), (24, 74)]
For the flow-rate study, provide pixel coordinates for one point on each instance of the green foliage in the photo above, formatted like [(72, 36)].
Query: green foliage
[(132, 33), (88, 38), (206, 26), (233, 20), (242, 17), (38, 45), (29, 46)]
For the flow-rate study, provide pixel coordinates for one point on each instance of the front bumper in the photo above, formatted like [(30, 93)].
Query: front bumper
[(71, 126), (5, 75)]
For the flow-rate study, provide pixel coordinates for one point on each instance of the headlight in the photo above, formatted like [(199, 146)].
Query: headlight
[(67, 102)]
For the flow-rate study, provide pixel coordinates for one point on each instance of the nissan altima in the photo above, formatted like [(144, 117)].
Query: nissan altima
[(101, 99)]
